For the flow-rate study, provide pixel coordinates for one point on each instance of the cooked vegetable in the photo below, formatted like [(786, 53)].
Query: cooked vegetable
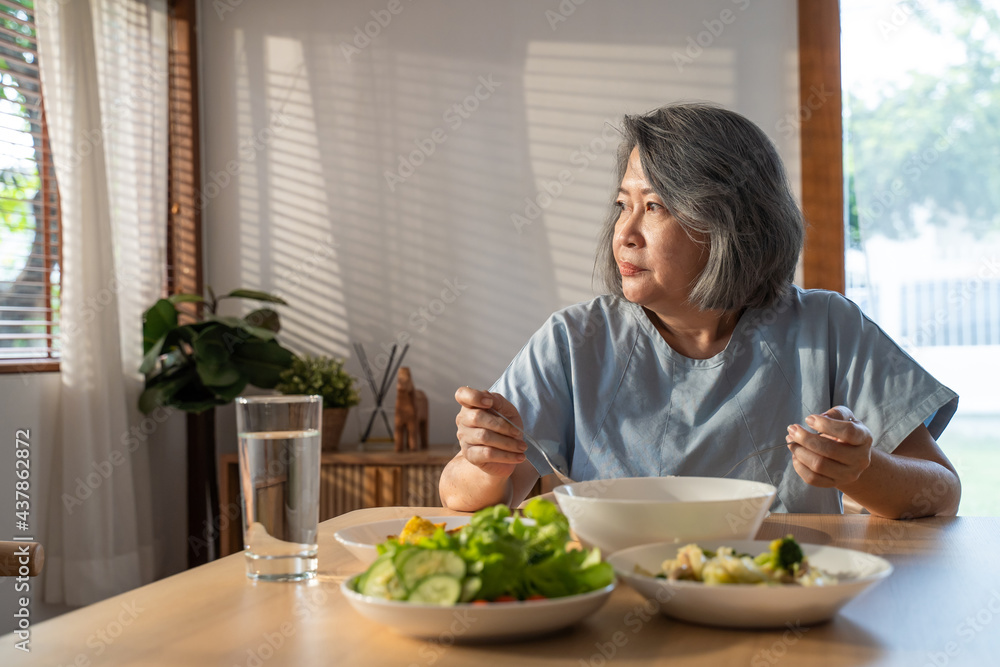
[(416, 528), (783, 563), (491, 558), (785, 554)]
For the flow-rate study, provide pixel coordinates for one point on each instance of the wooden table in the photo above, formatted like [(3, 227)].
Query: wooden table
[(940, 607)]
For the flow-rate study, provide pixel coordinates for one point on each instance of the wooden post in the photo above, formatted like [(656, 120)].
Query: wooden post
[(203, 489), (822, 144)]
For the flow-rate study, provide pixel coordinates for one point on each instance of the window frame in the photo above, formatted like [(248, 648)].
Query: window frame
[(185, 271), (47, 207), (184, 229), (821, 127)]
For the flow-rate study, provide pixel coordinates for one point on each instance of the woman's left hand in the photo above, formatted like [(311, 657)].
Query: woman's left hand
[(834, 456)]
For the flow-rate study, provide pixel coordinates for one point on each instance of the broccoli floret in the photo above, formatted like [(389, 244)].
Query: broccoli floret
[(787, 553)]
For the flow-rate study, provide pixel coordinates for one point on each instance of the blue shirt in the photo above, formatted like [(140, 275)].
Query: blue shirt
[(604, 393)]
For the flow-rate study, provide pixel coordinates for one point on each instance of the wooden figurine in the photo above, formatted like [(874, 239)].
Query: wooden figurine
[(411, 414)]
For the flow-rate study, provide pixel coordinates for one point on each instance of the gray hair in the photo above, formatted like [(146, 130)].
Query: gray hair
[(722, 179)]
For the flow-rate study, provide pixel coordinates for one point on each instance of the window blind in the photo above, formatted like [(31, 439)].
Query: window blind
[(29, 203)]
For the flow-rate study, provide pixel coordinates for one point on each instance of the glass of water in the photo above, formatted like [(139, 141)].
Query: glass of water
[(279, 454)]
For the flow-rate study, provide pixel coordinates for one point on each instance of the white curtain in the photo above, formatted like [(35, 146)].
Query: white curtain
[(104, 81)]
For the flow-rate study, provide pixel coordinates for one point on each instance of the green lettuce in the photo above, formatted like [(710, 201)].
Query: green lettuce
[(511, 557)]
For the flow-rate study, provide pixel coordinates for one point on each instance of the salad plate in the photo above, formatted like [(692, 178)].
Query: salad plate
[(471, 622), (751, 605), (497, 577)]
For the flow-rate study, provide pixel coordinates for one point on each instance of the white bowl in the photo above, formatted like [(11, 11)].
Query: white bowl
[(615, 514), (749, 605), (477, 622), (361, 540)]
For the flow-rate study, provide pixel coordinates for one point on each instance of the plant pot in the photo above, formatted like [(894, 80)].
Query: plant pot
[(334, 420)]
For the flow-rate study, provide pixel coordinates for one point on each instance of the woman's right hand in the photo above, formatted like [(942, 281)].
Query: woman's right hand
[(488, 442)]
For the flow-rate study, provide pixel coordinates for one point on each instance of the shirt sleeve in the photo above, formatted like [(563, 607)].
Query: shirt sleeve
[(537, 383), (883, 385)]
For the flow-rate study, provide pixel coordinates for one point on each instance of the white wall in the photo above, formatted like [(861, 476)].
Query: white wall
[(309, 212)]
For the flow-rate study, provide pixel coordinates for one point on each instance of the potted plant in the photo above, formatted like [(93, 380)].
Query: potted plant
[(201, 364), (210, 361), (326, 377)]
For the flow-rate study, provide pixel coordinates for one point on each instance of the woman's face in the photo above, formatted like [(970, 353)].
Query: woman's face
[(657, 259)]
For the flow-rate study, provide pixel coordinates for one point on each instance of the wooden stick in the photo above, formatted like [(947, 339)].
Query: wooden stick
[(363, 358), (17, 555), (385, 378), (399, 362), (366, 367)]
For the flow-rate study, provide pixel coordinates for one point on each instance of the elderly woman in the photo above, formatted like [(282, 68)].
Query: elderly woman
[(704, 352)]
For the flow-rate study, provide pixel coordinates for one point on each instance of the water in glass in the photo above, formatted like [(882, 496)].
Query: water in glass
[(280, 480)]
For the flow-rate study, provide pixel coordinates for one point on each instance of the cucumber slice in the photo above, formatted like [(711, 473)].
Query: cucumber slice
[(440, 589), (404, 555), (381, 580), (470, 587), (396, 589), (427, 562)]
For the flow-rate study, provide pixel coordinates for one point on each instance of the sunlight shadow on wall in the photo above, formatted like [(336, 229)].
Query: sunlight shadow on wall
[(424, 223), (575, 95), (284, 205)]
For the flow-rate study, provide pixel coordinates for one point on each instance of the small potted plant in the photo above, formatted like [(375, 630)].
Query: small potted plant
[(326, 377)]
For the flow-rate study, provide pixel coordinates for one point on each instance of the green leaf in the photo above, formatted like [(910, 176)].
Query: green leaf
[(226, 394), (150, 398), (228, 320), (255, 295), (156, 322), (161, 388), (201, 399), (542, 511), (149, 361), (185, 298), (262, 362), (239, 323), (222, 374), (212, 356), (263, 334), (320, 375), (212, 301), (264, 318)]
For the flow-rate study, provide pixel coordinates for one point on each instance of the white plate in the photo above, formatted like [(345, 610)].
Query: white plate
[(477, 622), (361, 540), (748, 605)]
